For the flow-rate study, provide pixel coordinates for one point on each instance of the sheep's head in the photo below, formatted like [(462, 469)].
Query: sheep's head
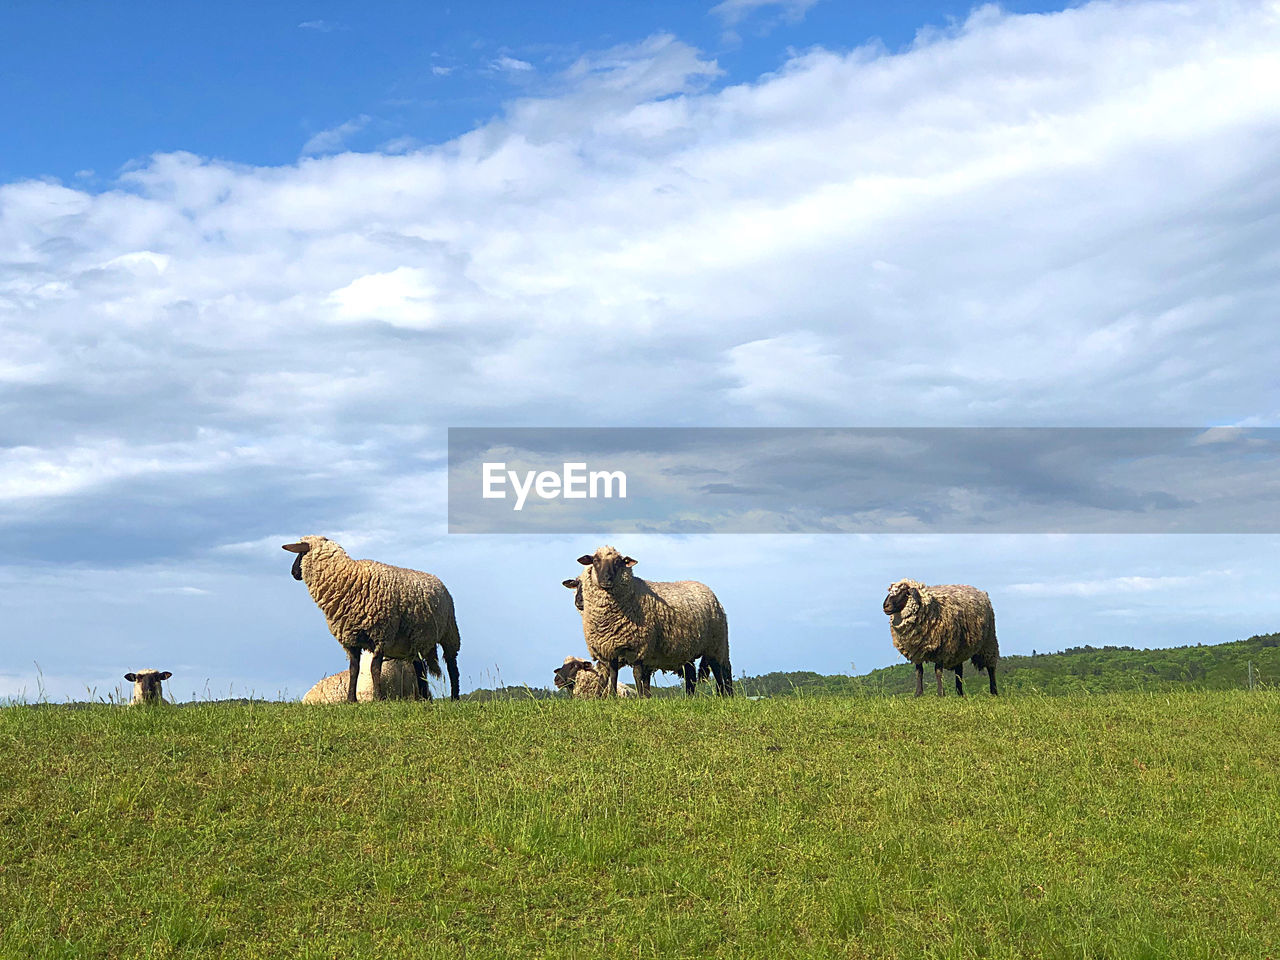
[(147, 685), (308, 545), (609, 566), (565, 676), (899, 595), (576, 585)]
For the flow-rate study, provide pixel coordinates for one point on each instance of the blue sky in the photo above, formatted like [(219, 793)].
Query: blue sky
[(255, 260), (96, 86)]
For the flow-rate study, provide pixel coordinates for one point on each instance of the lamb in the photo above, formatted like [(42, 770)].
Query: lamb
[(651, 625), (392, 612), (586, 680), (945, 625), (148, 686), (399, 682)]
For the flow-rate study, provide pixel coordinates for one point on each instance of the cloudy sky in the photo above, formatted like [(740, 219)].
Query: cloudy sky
[(254, 262)]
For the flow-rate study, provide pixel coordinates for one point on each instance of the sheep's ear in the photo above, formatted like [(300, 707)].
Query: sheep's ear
[(915, 594), (628, 561), (131, 677), (573, 584), (585, 559), (166, 675)]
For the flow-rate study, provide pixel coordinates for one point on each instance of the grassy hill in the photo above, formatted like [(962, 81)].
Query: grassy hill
[(1221, 666), (1124, 825)]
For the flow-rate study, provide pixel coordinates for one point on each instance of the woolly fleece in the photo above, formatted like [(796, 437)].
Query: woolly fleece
[(948, 625), (399, 612)]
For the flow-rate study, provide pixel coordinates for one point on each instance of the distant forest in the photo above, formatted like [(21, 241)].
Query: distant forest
[(1086, 669)]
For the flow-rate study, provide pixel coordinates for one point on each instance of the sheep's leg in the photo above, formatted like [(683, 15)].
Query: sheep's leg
[(690, 679), (451, 664), (959, 679), (375, 674), (920, 679), (642, 675), (724, 678), (353, 672), (991, 678), (420, 674), (937, 675), (612, 684)]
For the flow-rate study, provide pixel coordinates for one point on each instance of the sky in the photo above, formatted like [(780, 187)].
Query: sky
[(255, 262)]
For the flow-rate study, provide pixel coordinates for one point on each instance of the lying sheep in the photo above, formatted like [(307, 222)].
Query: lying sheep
[(586, 680), (652, 626), (148, 685), (392, 612), (944, 625), (399, 682)]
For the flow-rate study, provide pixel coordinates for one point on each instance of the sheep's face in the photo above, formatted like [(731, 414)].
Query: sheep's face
[(575, 585), (608, 566), (303, 547), (899, 594), (565, 676), (147, 685)]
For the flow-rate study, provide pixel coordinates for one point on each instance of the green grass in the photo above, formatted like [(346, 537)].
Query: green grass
[(1076, 827)]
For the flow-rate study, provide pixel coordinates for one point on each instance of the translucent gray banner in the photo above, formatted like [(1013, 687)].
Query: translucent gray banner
[(864, 480)]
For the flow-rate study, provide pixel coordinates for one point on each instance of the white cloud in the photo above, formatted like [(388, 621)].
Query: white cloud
[(335, 138), (510, 65), (320, 26), (1114, 585), (733, 12), (402, 296)]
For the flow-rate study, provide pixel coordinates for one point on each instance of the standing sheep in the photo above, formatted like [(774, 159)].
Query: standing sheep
[(576, 586), (392, 612), (944, 625), (651, 625), (148, 686), (586, 680)]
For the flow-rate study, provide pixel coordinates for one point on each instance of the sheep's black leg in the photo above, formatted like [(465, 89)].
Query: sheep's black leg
[(920, 679), (612, 684), (451, 664), (642, 674), (959, 679), (991, 678), (724, 678), (937, 675), (420, 674), (690, 679), (353, 672), (375, 674)]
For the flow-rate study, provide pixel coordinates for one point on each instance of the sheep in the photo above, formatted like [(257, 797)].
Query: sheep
[(575, 585), (399, 682), (392, 612), (586, 680), (945, 625), (148, 686), (651, 625)]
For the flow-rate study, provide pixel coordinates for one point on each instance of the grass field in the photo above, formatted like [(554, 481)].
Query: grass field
[(1120, 826)]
